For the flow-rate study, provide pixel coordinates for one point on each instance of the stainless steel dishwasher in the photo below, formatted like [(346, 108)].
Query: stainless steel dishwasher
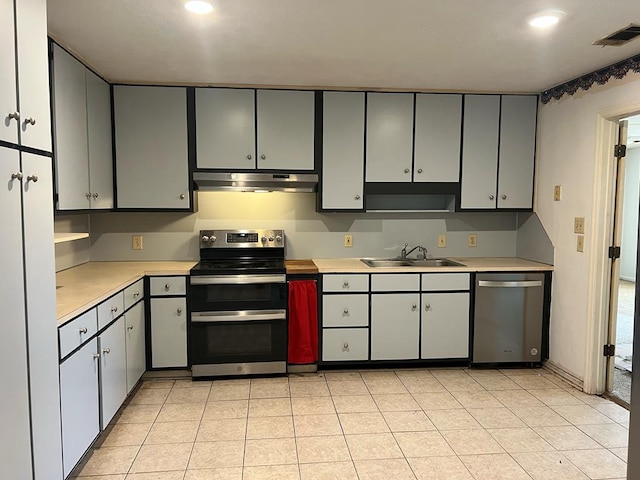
[(508, 317)]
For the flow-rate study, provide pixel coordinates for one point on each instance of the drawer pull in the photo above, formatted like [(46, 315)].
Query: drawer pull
[(166, 287), (129, 327), (82, 330), (114, 309), (413, 307), (345, 312), (427, 306), (345, 346), (106, 350), (345, 284), (179, 311), (136, 294)]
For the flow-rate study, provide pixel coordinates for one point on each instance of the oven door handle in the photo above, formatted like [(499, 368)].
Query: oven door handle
[(238, 316), (236, 279)]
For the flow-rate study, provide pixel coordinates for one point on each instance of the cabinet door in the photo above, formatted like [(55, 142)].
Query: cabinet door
[(136, 361), (79, 403), (40, 281), (151, 147), (113, 370), (70, 113), (395, 326), (437, 138), (15, 446), (389, 137), (480, 151), (445, 325), (225, 128), (8, 93), (33, 73), (168, 332), (285, 129), (517, 151), (99, 141), (343, 151)]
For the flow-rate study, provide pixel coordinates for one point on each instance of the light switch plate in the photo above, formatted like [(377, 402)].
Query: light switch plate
[(472, 240), (442, 241), (348, 241), (557, 193), (580, 243), (578, 225)]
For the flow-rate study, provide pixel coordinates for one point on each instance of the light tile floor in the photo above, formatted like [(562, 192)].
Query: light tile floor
[(448, 424)]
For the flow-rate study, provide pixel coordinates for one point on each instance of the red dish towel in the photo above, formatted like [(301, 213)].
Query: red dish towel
[(303, 321)]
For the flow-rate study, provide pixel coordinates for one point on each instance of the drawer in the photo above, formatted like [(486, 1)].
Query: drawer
[(345, 283), (74, 333), (110, 309), (345, 310), (133, 294), (165, 286), (445, 281), (345, 344), (398, 282)]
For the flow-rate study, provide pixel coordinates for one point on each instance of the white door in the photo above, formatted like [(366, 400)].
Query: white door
[(395, 326), (445, 325), (168, 332), (40, 280), (136, 359), (8, 94), (70, 113), (15, 445), (480, 151), (225, 128), (437, 138), (151, 147), (99, 141), (113, 370), (517, 151), (79, 403), (389, 137), (343, 151), (285, 129), (33, 74)]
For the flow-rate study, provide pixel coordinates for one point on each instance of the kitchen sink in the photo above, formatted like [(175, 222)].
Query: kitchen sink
[(409, 262)]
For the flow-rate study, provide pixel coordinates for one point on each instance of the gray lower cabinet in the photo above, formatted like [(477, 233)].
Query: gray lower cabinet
[(152, 167), (79, 403), (113, 370), (168, 322), (445, 325), (395, 326), (135, 344)]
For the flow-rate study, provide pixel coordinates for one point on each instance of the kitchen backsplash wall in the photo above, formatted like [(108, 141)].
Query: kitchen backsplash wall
[(173, 236), (76, 252), (532, 242)]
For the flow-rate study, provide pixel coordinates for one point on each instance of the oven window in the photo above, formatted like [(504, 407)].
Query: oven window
[(239, 340), (235, 293), (226, 297)]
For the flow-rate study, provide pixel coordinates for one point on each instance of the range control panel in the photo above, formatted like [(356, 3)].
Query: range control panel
[(241, 238)]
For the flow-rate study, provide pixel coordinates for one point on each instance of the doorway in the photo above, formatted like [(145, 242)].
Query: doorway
[(623, 271)]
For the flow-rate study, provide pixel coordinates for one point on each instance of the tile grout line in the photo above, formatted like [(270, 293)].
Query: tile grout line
[(344, 437)]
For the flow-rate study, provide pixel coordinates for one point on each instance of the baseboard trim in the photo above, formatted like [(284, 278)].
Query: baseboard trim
[(564, 374)]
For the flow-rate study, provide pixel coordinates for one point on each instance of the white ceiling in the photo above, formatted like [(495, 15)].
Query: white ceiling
[(450, 45)]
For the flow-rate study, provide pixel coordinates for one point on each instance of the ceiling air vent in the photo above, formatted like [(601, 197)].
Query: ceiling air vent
[(621, 37)]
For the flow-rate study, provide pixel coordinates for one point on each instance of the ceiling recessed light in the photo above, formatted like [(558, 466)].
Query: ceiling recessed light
[(198, 6), (545, 19)]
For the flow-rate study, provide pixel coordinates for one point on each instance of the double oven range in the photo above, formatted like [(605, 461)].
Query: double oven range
[(238, 301)]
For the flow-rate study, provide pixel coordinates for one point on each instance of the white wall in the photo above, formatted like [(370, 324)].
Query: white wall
[(76, 252), (631, 203), (174, 236), (566, 156)]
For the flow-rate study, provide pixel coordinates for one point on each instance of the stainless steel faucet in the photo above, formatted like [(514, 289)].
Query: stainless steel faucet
[(420, 248)]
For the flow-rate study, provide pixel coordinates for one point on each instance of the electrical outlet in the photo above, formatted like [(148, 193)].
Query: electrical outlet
[(580, 243), (136, 242), (442, 241), (557, 193), (348, 241), (472, 240), (578, 225)]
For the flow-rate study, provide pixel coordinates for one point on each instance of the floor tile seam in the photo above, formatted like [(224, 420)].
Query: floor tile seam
[(490, 432), (576, 424), (595, 439), (295, 436), (518, 463), (580, 469)]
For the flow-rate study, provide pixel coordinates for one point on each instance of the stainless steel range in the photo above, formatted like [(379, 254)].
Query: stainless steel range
[(238, 299)]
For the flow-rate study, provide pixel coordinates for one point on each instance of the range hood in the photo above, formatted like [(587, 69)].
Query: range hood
[(255, 182)]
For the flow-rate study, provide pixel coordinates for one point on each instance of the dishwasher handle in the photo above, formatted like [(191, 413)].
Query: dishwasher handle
[(510, 284)]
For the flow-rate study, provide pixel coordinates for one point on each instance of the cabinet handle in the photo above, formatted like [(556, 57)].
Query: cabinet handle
[(88, 195), (14, 116), (96, 356), (357, 197), (406, 170), (504, 197), (249, 157), (182, 197), (33, 178), (419, 170), (345, 346), (114, 309), (16, 176), (491, 197), (427, 306), (106, 350), (345, 284), (166, 287), (82, 330), (95, 195), (179, 311), (129, 327), (414, 306), (263, 156), (136, 294), (345, 311), (30, 120)]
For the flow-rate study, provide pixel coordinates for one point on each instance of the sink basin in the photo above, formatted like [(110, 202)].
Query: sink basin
[(409, 262)]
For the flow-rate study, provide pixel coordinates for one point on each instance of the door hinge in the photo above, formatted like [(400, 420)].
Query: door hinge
[(614, 252), (609, 350), (620, 151)]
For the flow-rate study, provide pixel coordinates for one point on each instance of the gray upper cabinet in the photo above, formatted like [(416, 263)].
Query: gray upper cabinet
[(389, 137), (152, 168), (343, 151), (83, 155), (480, 151), (517, 151), (285, 120), (437, 138), (8, 94), (225, 128)]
